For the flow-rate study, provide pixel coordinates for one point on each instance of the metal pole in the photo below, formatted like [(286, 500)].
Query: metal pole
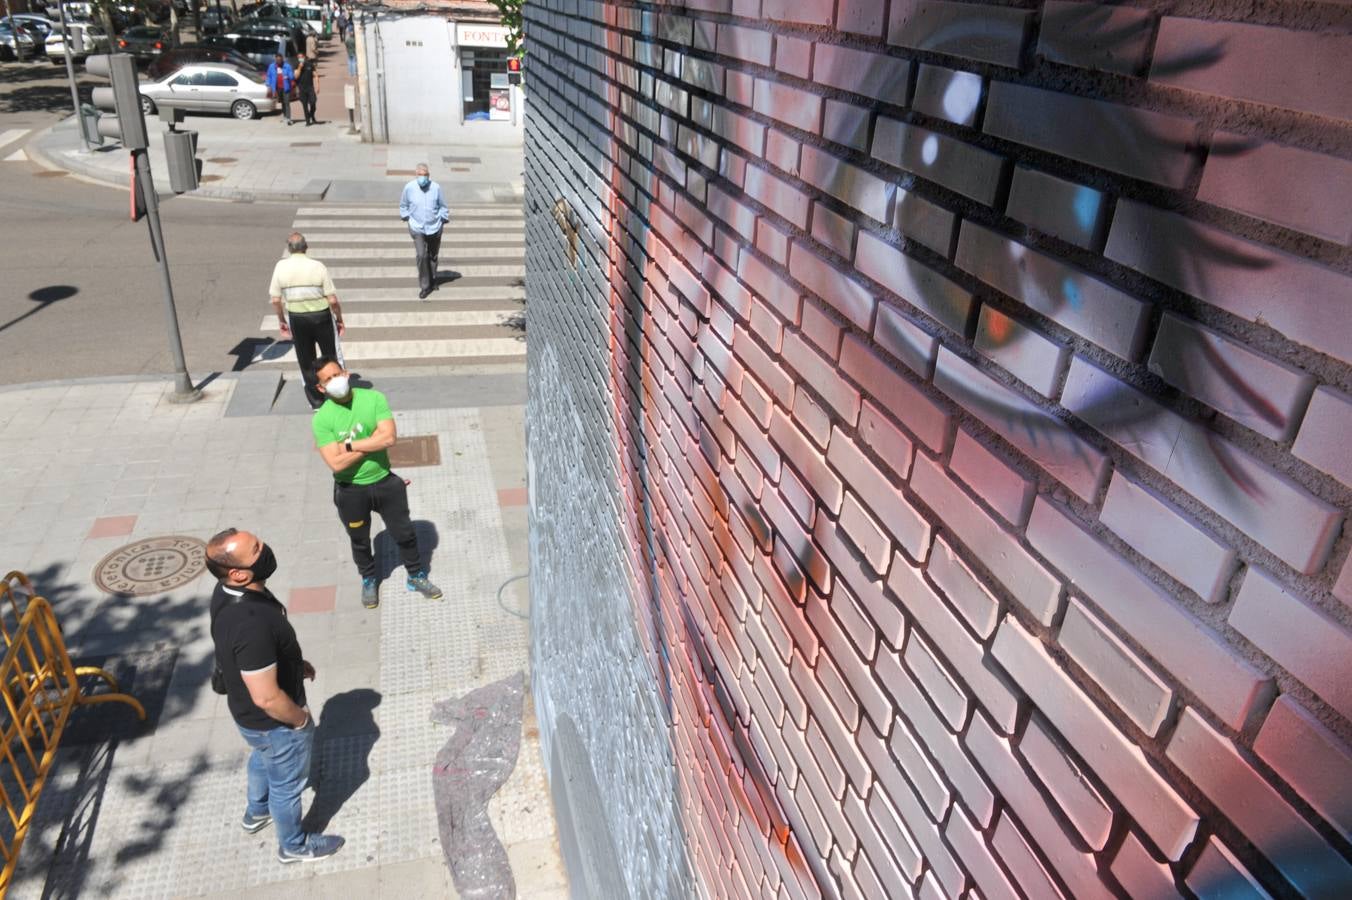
[(183, 389), (70, 75)]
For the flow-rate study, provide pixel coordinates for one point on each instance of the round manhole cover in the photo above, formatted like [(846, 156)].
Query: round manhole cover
[(152, 565)]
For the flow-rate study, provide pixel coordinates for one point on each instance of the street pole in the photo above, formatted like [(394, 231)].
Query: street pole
[(70, 75), (183, 389)]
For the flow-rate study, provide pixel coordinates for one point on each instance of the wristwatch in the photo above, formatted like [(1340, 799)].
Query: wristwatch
[(348, 445)]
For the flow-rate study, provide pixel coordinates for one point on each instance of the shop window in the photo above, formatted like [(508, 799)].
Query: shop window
[(483, 81)]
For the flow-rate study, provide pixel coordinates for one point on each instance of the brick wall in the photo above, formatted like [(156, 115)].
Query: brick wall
[(939, 426)]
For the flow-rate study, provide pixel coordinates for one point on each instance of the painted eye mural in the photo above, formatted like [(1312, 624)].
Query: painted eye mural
[(936, 420)]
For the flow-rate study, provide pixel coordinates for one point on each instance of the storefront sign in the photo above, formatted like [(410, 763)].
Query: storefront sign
[(480, 35)]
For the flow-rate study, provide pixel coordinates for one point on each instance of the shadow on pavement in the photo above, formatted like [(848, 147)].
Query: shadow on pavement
[(346, 734)]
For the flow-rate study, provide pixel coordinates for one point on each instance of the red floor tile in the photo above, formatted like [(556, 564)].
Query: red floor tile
[(513, 497), (313, 599), (112, 526)]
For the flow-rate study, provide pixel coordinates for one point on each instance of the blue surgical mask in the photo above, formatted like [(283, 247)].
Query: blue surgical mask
[(423, 181)]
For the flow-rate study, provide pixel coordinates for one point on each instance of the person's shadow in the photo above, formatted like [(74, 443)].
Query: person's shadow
[(386, 551), (344, 737)]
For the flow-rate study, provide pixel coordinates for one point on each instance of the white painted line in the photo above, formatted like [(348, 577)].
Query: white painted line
[(462, 212), (394, 224), (17, 156), (451, 348), (317, 238), (12, 135), (479, 253), (339, 273), (417, 319), (444, 293)]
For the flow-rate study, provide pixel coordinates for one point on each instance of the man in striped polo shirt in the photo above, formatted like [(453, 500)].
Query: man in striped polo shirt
[(307, 310)]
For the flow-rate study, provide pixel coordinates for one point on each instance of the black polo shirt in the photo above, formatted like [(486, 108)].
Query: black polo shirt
[(251, 633)]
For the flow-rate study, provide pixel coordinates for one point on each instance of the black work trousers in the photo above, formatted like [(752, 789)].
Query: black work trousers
[(307, 105), (427, 246), (309, 330), (389, 498)]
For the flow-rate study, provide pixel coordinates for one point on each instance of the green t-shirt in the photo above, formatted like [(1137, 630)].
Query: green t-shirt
[(336, 422)]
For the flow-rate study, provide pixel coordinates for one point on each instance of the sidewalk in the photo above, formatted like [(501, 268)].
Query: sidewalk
[(265, 159), (153, 811)]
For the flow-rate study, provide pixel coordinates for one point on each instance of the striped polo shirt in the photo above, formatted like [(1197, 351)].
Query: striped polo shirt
[(302, 283)]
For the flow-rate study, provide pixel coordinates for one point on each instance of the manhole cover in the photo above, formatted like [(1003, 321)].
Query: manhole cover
[(221, 160), (422, 450), (151, 566)]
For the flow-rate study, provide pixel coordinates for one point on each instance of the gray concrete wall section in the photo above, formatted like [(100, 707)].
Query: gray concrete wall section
[(595, 673)]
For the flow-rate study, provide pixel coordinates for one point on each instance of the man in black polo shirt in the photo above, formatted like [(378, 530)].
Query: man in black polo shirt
[(260, 660)]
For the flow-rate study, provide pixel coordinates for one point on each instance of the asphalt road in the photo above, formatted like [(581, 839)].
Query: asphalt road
[(80, 292)]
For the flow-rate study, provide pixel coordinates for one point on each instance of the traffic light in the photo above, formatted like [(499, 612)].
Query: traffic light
[(180, 155), (514, 70), (128, 124)]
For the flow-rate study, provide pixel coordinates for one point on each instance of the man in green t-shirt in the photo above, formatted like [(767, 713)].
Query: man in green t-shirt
[(353, 430)]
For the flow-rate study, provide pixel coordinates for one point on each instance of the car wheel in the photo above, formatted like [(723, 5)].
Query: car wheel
[(243, 109), (147, 106)]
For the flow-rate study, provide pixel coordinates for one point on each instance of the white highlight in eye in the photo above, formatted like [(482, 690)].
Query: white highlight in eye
[(961, 97), (929, 151)]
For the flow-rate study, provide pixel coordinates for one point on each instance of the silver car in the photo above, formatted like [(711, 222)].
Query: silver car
[(209, 87)]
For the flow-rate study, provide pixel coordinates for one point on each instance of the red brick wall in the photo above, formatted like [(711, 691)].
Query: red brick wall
[(969, 387)]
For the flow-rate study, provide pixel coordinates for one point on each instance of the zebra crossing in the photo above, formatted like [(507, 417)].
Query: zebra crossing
[(477, 314)]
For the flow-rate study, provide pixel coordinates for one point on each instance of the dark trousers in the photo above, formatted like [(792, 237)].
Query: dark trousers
[(307, 331), (285, 101), (389, 497), (427, 247), (307, 105)]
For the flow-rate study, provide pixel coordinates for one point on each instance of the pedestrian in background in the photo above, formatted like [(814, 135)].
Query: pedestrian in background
[(353, 431), (307, 88), (307, 309), (350, 42), (341, 21), (311, 45), (424, 208), (259, 664), (281, 78)]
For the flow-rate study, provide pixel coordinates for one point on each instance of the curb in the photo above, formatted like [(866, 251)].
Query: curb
[(313, 191)]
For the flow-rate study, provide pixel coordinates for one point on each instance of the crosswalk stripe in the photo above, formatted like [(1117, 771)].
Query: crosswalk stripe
[(12, 135), (17, 156), (478, 316), (466, 270), (463, 212), (316, 238), (407, 350), (393, 223), (480, 253), (420, 319), (443, 293)]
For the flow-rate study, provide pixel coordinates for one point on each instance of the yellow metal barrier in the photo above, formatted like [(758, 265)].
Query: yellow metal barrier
[(40, 688)]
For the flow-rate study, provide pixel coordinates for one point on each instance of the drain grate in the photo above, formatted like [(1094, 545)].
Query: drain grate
[(419, 450), (48, 173), (307, 143), (472, 160), (221, 160)]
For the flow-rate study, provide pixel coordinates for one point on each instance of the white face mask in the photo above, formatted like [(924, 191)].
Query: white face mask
[(338, 387)]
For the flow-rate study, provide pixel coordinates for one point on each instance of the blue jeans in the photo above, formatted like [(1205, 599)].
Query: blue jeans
[(352, 65), (279, 769)]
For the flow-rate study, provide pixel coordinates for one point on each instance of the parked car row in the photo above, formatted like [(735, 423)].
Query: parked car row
[(209, 87)]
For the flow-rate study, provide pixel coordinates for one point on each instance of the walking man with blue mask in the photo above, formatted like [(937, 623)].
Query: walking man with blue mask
[(423, 207)]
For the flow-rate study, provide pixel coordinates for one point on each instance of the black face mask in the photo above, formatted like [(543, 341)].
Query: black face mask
[(265, 565)]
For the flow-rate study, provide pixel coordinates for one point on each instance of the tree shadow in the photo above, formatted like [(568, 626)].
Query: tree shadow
[(344, 738)]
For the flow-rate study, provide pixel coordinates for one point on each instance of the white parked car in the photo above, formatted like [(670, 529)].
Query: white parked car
[(16, 43), (209, 87), (95, 41)]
